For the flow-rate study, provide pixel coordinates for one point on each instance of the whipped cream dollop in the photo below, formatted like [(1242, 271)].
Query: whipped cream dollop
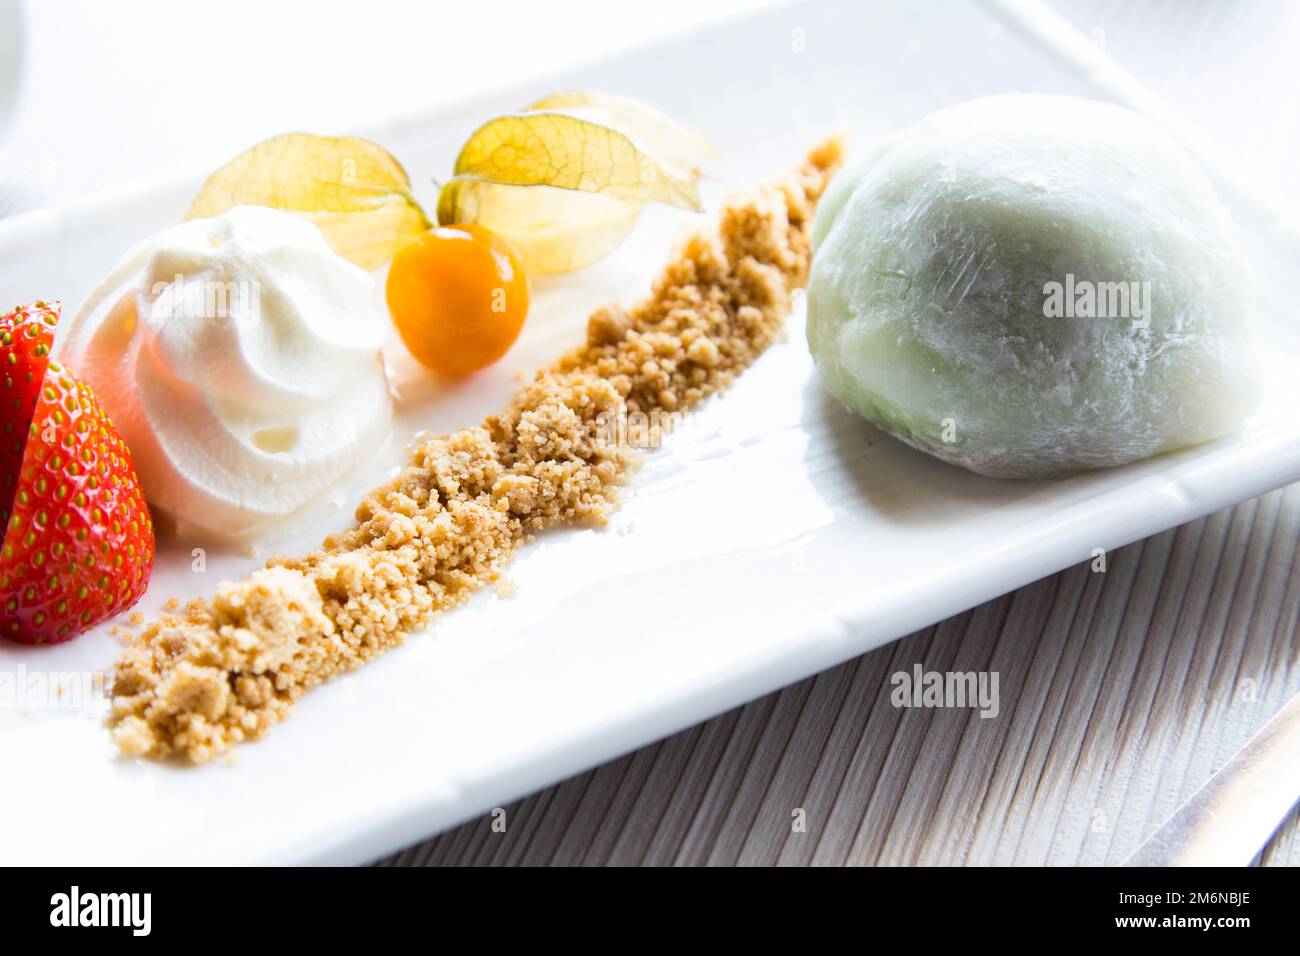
[(239, 358)]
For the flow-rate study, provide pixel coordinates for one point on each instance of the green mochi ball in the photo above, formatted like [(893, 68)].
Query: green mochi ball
[(1031, 286)]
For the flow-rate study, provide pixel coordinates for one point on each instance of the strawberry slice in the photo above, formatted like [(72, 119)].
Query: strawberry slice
[(26, 335), (78, 542)]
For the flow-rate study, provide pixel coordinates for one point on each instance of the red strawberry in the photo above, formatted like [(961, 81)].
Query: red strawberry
[(26, 335), (78, 541)]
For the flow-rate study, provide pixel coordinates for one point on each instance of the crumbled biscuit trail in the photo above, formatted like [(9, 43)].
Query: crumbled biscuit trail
[(193, 684)]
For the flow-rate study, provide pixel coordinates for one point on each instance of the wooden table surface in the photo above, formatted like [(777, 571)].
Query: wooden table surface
[(1120, 693)]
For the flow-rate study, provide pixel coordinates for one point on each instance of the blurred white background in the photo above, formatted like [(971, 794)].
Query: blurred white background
[(119, 91), (1229, 66), (114, 92)]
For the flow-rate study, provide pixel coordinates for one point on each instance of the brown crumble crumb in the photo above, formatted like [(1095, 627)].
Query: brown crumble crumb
[(224, 671)]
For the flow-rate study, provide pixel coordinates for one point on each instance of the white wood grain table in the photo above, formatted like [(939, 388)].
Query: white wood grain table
[(1121, 692)]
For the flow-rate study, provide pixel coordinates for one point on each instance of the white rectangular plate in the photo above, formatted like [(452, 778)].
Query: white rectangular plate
[(775, 536)]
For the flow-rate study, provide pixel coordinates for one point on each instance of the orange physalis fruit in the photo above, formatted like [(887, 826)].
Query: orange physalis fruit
[(458, 298)]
